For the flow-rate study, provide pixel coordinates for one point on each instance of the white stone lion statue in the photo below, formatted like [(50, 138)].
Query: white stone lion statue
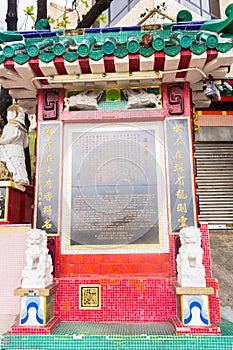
[(38, 270), (141, 98), (191, 272), (84, 100)]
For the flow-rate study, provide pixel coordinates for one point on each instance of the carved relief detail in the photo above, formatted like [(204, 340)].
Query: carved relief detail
[(175, 99), (50, 104)]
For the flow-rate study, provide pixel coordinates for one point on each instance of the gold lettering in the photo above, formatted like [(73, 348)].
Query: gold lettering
[(180, 194), (48, 184), (48, 196), (177, 128), (178, 141), (49, 158), (183, 221), (179, 167), (181, 208), (47, 209), (179, 154), (49, 170), (47, 224), (49, 144), (48, 132), (180, 181)]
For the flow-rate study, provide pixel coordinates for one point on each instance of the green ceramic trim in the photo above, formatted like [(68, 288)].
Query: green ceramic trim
[(211, 40), (172, 50), (96, 54), (224, 47), (146, 51), (85, 46), (109, 45), (221, 25), (2, 58), (158, 43), (122, 43), (133, 44), (184, 16), (9, 36), (34, 50), (21, 58), (198, 49), (42, 24), (182, 39), (46, 56), (61, 47), (70, 56), (121, 51), (9, 50)]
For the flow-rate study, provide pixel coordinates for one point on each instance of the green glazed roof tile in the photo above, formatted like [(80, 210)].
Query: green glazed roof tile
[(146, 51), (71, 56), (46, 56), (121, 51), (2, 58), (198, 49), (172, 50), (96, 54), (224, 47), (194, 36), (21, 58)]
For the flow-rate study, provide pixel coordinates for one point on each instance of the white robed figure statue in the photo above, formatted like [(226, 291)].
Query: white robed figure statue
[(13, 141)]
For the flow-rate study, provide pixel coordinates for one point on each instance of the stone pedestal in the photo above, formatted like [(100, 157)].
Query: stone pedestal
[(36, 310), (193, 310)]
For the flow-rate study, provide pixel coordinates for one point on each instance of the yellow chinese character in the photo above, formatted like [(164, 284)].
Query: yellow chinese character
[(49, 170), (49, 158), (48, 196), (0, 212), (47, 209), (177, 128), (180, 181), (180, 194), (49, 144), (179, 167), (183, 221), (179, 154), (48, 184), (181, 208), (47, 224), (178, 141), (48, 132)]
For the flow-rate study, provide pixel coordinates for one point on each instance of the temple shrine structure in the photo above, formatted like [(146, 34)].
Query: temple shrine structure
[(108, 245)]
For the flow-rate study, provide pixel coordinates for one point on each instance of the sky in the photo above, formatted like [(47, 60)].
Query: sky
[(22, 4)]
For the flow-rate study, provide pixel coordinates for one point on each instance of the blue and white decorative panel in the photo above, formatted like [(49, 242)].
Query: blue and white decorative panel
[(32, 311), (195, 310)]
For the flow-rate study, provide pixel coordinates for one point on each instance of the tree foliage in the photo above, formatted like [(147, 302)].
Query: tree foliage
[(95, 11)]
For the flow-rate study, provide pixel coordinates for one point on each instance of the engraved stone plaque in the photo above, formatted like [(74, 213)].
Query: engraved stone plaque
[(114, 186)]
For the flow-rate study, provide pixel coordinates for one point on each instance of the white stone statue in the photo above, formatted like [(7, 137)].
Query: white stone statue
[(191, 271), (12, 143), (38, 270), (84, 100), (141, 99)]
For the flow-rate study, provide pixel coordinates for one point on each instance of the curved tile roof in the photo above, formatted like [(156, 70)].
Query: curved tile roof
[(184, 50)]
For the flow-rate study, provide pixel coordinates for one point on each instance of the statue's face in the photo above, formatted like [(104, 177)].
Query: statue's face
[(11, 115)]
